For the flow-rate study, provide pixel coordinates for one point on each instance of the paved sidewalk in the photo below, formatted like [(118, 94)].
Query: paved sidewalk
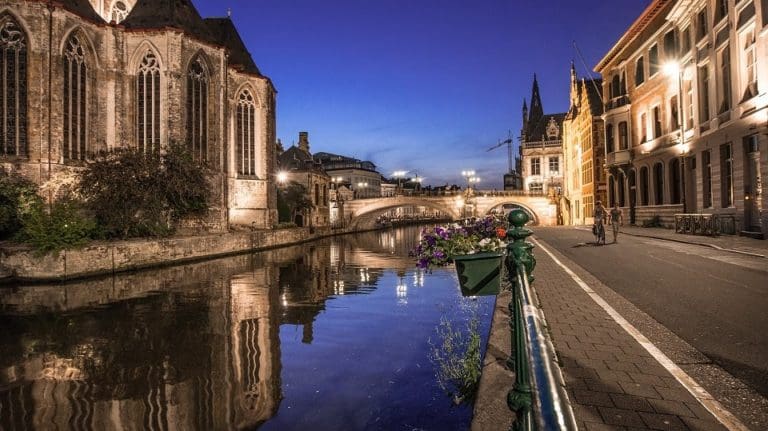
[(733, 243), (613, 382)]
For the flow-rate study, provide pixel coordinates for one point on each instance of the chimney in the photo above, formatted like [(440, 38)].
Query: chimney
[(304, 141)]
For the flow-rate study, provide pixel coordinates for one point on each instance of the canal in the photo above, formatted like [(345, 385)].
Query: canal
[(342, 333)]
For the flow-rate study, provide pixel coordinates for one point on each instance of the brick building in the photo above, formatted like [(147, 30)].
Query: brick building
[(83, 76), (298, 165), (686, 113), (583, 151)]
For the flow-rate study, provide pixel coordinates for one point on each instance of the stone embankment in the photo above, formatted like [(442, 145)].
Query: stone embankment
[(99, 258)]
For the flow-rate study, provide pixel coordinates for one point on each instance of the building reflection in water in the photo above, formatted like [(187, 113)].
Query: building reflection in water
[(191, 347)]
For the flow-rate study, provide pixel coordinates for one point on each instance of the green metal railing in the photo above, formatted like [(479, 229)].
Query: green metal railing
[(538, 396)]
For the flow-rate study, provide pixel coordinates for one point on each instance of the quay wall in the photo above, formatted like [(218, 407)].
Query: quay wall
[(19, 263)]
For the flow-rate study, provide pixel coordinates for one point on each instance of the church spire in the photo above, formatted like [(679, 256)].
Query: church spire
[(537, 111)]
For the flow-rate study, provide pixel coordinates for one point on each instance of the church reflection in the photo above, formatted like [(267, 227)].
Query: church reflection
[(192, 347)]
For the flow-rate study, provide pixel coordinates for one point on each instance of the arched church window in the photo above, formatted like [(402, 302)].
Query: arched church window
[(75, 97), (119, 12), (246, 134), (148, 104), (13, 89), (197, 109)]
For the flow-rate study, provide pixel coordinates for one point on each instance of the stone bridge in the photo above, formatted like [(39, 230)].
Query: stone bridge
[(539, 207)]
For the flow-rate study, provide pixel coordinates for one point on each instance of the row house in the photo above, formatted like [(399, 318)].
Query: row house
[(78, 77), (685, 104), (583, 151)]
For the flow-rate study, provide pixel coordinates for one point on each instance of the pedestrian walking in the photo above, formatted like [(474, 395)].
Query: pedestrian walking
[(617, 219), (598, 229)]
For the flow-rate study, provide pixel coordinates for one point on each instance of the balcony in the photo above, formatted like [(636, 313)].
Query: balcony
[(543, 144), (617, 102), (617, 158)]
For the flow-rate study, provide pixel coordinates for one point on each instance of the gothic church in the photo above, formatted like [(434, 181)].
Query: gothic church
[(81, 76)]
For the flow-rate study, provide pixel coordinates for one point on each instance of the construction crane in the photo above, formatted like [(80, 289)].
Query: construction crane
[(510, 157)]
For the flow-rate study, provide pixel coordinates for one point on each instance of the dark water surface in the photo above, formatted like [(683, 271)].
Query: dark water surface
[(330, 335)]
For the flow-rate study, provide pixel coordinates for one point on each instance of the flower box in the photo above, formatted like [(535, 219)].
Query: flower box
[(479, 273)]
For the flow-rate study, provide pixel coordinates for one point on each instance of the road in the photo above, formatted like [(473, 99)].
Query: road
[(714, 300)]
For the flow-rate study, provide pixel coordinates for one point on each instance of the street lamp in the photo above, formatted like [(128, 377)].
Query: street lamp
[(362, 186), (282, 177), (399, 175), (673, 69)]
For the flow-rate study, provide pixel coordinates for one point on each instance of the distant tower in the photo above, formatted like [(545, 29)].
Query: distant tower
[(525, 119), (536, 114)]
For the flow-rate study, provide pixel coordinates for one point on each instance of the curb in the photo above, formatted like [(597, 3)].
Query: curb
[(703, 244)]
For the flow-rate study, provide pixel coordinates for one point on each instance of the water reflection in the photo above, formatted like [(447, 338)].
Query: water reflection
[(213, 345)]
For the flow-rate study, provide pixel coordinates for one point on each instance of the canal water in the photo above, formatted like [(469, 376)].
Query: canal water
[(338, 334)]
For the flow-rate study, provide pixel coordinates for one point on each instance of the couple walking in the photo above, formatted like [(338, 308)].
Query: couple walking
[(601, 215)]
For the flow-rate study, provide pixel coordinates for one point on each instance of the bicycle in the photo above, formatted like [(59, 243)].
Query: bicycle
[(599, 231)]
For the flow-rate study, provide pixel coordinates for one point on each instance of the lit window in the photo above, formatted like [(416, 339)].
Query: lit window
[(246, 134), (535, 166), (119, 12), (75, 101)]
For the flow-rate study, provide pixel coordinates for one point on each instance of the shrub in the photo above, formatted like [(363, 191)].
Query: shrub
[(16, 196), (457, 358), (66, 225), (134, 194)]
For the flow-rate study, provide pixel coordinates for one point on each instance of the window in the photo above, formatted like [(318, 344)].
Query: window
[(653, 60), (620, 188), (726, 175), (644, 191), (643, 127), (688, 108), (197, 109), (13, 88), (656, 122), (707, 178), (724, 86), (639, 72), (670, 45), (589, 206), (246, 134), (554, 165), (685, 41), (703, 94), (148, 104), (119, 12), (701, 24), (721, 10), (586, 172), (674, 180), (317, 194), (611, 191), (536, 187), (535, 166), (75, 112), (609, 138), (748, 60), (658, 184), (623, 136), (674, 114), (615, 86)]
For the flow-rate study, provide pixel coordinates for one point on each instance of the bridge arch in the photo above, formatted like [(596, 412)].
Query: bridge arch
[(533, 216), (367, 215)]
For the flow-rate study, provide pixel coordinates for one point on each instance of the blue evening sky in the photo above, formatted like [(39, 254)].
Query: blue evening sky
[(420, 85)]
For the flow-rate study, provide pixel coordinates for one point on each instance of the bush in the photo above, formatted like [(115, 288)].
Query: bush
[(135, 194), (65, 226), (16, 196), (456, 357)]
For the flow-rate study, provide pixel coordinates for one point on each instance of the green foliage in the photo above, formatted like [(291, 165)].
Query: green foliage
[(285, 225), (17, 195), (291, 200), (65, 226), (134, 194), (457, 358), (654, 221)]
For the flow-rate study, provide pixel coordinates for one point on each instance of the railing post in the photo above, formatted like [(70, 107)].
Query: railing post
[(519, 398)]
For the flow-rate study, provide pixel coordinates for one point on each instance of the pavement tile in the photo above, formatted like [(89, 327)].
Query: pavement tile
[(703, 425), (575, 382), (647, 379), (629, 367), (663, 422), (586, 413), (699, 411), (603, 386), (631, 402), (621, 417), (640, 390), (594, 354), (595, 364), (678, 394), (671, 407), (592, 398), (586, 373), (619, 376), (594, 426)]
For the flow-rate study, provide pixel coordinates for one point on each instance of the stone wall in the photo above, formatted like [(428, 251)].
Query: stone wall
[(111, 257)]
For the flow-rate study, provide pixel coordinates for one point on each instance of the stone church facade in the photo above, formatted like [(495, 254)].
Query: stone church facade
[(78, 77)]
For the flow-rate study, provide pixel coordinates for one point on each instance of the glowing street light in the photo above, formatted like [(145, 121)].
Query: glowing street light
[(673, 70), (282, 177)]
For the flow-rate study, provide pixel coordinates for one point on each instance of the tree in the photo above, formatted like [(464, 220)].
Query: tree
[(135, 194), (17, 195), (292, 200)]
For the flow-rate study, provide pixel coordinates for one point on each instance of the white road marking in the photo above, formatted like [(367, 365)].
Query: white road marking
[(702, 396)]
